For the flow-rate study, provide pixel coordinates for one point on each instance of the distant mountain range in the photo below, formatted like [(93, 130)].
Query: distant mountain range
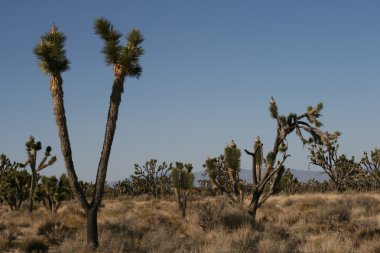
[(301, 175)]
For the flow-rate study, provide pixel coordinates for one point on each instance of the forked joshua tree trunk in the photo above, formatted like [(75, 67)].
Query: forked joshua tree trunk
[(125, 63)]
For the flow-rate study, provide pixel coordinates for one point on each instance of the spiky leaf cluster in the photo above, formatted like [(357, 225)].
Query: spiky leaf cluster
[(51, 53), (313, 113), (232, 156), (273, 108), (32, 147), (127, 56), (259, 154)]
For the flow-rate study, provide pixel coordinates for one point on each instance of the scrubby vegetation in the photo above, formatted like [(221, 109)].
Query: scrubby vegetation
[(299, 223)]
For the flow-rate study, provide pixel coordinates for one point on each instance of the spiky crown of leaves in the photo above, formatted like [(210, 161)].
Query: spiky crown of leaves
[(126, 56), (232, 156), (51, 53)]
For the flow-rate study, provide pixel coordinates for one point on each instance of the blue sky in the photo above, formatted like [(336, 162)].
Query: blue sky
[(209, 70)]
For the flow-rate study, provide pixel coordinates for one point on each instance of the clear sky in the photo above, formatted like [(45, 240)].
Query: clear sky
[(209, 70)]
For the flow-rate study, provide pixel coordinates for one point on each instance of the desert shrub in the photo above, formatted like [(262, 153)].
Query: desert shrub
[(370, 204), (210, 215), (7, 237), (5, 241), (248, 243), (123, 236), (288, 202), (54, 231), (235, 220), (338, 214), (34, 245), (368, 234)]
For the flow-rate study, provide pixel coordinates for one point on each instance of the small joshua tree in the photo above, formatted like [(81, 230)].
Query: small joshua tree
[(224, 173), (52, 191), (14, 188), (343, 172), (371, 164), (123, 187), (267, 171), (288, 183), (183, 180), (32, 148), (14, 184), (154, 178), (6, 164)]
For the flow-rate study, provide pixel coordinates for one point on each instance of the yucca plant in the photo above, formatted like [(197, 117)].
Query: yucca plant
[(125, 61), (183, 180), (32, 148)]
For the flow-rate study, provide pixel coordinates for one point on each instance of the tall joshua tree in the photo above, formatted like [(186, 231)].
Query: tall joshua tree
[(32, 148), (125, 62), (266, 172)]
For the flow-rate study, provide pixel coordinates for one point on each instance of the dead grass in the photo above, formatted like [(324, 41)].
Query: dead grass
[(300, 223)]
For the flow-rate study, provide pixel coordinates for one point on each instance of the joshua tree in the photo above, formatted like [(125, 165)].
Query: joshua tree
[(123, 187), (6, 164), (266, 172), (32, 148), (125, 62), (14, 185), (51, 192), (288, 183), (183, 180), (224, 173), (371, 164), (343, 172), (154, 179)]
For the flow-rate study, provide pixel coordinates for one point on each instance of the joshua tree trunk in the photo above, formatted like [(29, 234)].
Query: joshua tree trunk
[(182, 202), (254, 205), (92, 227), (113, 111), (31, 190), (60, 117)]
